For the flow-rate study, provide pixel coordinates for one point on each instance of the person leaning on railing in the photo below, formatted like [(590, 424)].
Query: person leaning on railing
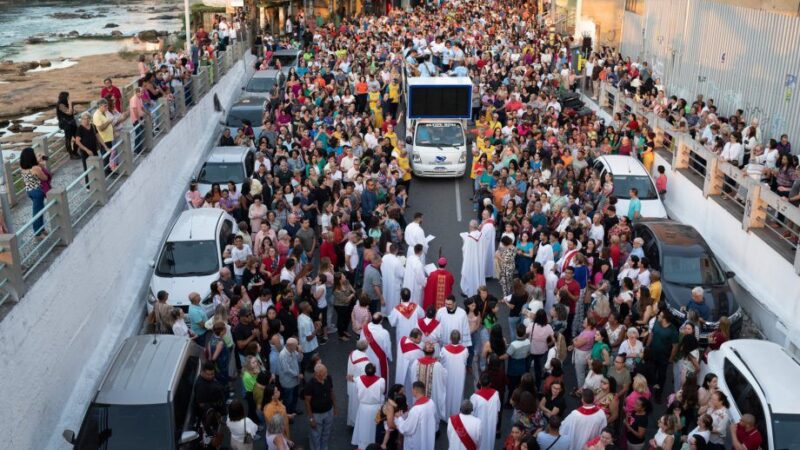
[(36, 180)]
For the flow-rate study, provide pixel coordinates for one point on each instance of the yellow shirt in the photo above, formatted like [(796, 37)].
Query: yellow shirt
[(394, 93), (655, 290), (392, 137), (647, 160), (402, 162), (98, 119)]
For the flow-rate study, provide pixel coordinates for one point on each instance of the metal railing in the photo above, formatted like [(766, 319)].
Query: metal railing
[(25, 250), (770, 216)]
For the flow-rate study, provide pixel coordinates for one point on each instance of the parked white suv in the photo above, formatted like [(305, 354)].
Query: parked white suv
[(629, 173), (226, 164), (191, 257), (760, 378)]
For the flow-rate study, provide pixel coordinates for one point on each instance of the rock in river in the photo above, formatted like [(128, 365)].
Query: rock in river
[(148, 36), (111, 25)]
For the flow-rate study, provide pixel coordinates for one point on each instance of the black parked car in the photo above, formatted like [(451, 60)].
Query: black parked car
[(685, 261)]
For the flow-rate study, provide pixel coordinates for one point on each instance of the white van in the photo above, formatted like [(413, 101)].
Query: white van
[(629, 173), (759, 378)]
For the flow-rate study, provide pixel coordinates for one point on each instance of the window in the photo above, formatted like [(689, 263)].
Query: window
[(225, 231), (125, 427), (182, 400), (187, 258), (642, 183), (743, 395), (692, 269), (249, 163), (221, 173), (635, 6)]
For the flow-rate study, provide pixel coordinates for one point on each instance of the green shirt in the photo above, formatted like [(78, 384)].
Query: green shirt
[(663, 340)]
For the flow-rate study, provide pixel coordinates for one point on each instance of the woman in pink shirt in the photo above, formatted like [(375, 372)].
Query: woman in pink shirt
[(360, 315)]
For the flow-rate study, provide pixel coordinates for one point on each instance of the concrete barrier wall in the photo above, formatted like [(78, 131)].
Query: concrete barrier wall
[(56, 344)]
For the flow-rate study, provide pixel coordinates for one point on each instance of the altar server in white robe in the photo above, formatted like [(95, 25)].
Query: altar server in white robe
[(403, 318), (463, 429), (418, 426), (410, 351), (486, 402), (472, 263), (452, 318), (392, 272), (415, 235), (431, 328), (583, 423), (454, 359), (369, 388), (414, 278), (488, 235), (379, 350), (356, 362), (430, 371)]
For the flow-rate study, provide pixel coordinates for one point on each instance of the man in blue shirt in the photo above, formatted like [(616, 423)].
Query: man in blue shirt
[(197, 318), (699, 305), (635, 206)]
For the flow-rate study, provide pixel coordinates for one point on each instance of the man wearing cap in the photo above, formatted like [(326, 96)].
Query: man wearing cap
[(439, 286)]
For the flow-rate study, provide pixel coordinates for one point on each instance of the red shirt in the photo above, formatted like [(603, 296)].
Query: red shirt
[(574, 289), (750, 439), (114, 92), (327, 249)]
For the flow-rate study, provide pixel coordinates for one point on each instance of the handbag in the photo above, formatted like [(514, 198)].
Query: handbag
[(248, 439)]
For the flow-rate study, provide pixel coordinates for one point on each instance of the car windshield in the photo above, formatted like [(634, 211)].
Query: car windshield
[(694, 270), (260, 84), (624, 183), (784, 431), (126, 427), (286, 60), (235, 117), (221, 173), (440, 135), (188, 258)]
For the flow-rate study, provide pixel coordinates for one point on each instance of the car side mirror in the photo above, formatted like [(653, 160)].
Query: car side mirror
[(730, 274), (243, 88), (409, 140), (69, 436), (189, 436), (152, 263)]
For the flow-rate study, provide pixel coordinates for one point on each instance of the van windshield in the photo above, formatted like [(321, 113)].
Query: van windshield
[(260, 84), (235, 117), (439, 135), (126, 427), (221, 173), (692, 270), (784, 430), (188, 258), (643, 183)]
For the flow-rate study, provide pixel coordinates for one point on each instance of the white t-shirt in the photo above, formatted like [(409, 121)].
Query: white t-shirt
[(305, 328), (239, 427), (351, 250), (240, 255), (179, 328)]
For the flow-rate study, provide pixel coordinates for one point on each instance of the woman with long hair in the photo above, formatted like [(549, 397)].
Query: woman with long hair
[(65, 115), (36, 179)]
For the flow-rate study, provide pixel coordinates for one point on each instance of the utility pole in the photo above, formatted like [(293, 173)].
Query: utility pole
[(188, 30)]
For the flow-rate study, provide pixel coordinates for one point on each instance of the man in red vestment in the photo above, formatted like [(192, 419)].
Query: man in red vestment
[(438, 287)]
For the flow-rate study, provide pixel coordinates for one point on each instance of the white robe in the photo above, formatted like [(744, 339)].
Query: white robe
[(354, 369), (384, 341), (473, 274), (438, 382), (414, 278), (551, 280), (414, 234), (404, 359), (435, 336), (456, 321), (583, 424), (486, 410), (402, 324), (392, 277), (473, 426), (488, 235), (419, 426), (369, 402), (454, 359)]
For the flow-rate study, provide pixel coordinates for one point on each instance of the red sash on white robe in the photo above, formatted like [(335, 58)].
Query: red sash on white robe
[(427, 328), (373, 344), (407, 345), (455, 349), (369, 380), (461, 431), (406, 309)]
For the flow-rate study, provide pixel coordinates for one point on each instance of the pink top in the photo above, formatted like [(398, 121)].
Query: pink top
[(136, 108), (630, 400), (588, 338), (361, 316), (539, 336), (661, 183)]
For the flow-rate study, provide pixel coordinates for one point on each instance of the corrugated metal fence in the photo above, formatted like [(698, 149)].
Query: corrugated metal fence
[(742, 58)]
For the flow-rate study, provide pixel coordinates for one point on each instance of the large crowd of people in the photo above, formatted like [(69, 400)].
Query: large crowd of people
[(328, 248)]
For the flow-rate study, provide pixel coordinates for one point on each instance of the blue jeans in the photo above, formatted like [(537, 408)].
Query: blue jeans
[(289, 396), (318, 440), (512, 325), (37, 200)]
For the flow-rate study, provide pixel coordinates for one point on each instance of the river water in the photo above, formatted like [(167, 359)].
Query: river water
[(21, 20)]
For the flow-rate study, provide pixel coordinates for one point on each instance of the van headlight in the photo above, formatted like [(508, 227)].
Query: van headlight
[(415, 158), (463, 158)]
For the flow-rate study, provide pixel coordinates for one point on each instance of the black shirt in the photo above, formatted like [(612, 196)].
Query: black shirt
[(88, 138), (558, 402), (289, 323), (517, 301), (242, 332), (209, 394), (321, 395), (637, 421)]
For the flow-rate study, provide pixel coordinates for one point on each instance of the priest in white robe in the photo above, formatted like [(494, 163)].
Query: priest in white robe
[(487, 242), (454, 358), (583, 423), (418, 426), (369, 388), (414, 278), (414, 235), (356, 362), (472, 264), (431, 328), (430, 371), (392, 272), (463, 429), (379, 350), (486, 404), (410, 351), (452, 318), (403, 318)]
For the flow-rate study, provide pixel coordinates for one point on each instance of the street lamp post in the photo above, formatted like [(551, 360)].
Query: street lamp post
[(188, 30)]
